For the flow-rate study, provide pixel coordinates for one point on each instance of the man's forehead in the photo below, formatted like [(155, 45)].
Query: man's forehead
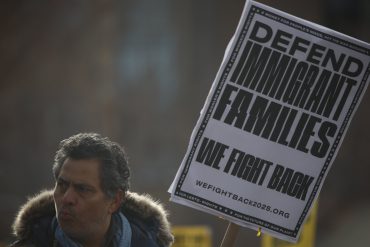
[(68, 180), (82, 171)]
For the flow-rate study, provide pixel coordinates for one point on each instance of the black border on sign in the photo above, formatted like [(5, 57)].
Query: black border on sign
[(288, 22)]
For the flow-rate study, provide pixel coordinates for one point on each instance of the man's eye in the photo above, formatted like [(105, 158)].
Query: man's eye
[(62, 185), (82, 189)]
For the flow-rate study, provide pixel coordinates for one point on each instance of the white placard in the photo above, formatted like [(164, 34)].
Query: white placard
[(273, 121)]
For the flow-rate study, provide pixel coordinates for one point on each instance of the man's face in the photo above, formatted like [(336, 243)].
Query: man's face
[(83, 210)]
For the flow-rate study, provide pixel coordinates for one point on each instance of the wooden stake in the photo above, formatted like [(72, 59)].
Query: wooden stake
[(230, 235)]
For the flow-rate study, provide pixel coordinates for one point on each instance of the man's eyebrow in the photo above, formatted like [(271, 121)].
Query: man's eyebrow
[(84, 185), (77, 184), (61, 179)]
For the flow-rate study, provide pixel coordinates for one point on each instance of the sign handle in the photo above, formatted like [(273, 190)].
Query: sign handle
[(230, 235)]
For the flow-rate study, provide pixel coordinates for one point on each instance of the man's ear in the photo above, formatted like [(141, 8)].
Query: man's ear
[(116, 201)]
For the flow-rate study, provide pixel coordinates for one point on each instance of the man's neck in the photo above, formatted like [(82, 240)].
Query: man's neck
[(94, 242), (97, 240)]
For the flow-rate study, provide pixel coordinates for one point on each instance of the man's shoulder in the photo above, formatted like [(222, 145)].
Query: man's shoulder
[(34, 219), (148, 219), (40, 233)]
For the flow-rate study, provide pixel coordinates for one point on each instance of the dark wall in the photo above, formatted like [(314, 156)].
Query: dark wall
[(139, 72)]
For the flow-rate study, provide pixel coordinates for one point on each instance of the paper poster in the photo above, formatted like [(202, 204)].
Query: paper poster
[(273, 122)]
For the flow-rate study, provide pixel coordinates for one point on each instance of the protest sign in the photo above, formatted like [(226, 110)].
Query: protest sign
[(273, 122), (307, 236)]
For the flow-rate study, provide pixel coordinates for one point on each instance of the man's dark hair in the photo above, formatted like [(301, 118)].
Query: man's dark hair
[(114, 170)]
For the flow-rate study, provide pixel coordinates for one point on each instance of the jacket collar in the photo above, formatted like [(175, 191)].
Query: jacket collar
[(141, 206)]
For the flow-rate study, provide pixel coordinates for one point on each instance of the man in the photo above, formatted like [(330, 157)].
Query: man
[(90, 204)]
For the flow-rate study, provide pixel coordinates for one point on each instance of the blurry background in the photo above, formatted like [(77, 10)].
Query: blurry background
[(139, 72)]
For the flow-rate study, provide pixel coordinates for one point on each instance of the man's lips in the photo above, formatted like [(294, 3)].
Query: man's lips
[(65, 215)]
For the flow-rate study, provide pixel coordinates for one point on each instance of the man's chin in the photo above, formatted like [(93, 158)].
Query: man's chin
[(68, 227), (72, 233)]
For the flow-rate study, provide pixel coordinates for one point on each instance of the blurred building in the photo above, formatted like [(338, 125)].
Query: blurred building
[(139, 72)]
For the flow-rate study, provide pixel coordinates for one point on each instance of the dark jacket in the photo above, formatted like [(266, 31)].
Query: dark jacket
[(148, 220)]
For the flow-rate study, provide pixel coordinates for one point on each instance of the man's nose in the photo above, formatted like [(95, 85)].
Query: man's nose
[(69, 196)]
